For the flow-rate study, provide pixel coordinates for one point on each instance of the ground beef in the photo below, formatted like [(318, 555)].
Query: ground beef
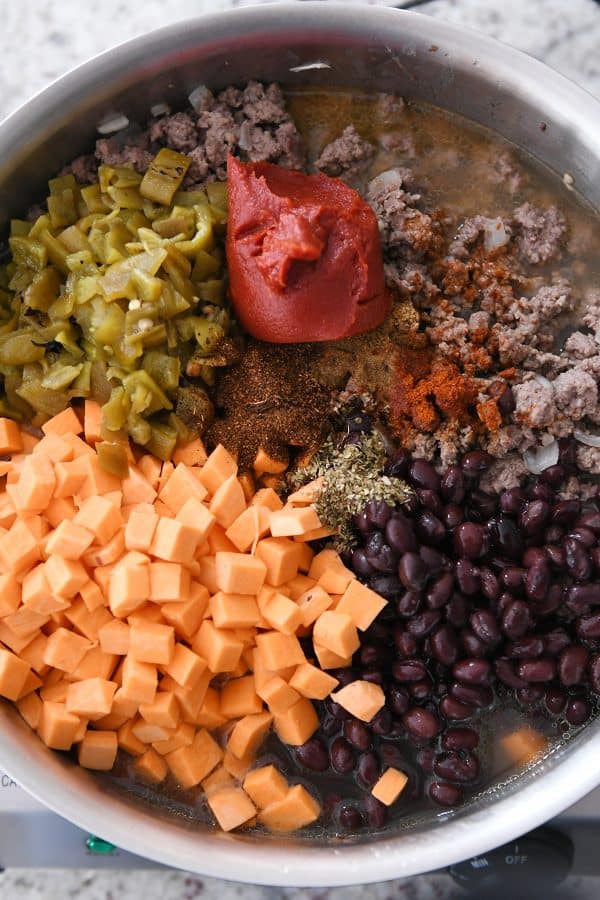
[(540, 232), (591, 316), (575, 394), (177, 131), (347, 156), (505, 171), (581, 346), (588, 459), (262, 105), (402, 226), (109, 153), (495, 233), (84, 168), (504, 474), (534, 404)]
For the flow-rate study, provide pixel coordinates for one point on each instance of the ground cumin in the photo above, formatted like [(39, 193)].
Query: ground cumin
[(269, 399)]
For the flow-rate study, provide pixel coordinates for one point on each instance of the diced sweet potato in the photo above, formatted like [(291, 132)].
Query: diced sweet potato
[(152, 643), (169, 582), (209, 713), (249, 527), (218, 778), (182, 736), (197, 516), (128, 741), (312, 603), (312, 682), (234, 610), (293, 520), (86, 622), (25, 622), (218, 646), (267, 497), (265, 785), (98, 750), (279, 650), (192, 454), (114, 637), (219, 466), (140, 529), (278, 695), (33, 654), (389, 786), (13, 674), (239, 698), (101, 516), (190, 765), (297, 723), (521, 746), (91, 595), (30, 708), (128, 588), (91, 698), (186, 616), (361, 603), (174, 542), (65, 650), (57, 727), (182, 485), (36, 484), (140, 680), (295, 810), (231, 807), (336, 632), (164, 710), (186, 667), (236, 766), (281, 557), (362, 699), (18, 548), (151, 767), (238, 573), (248, 734), (10, 437)]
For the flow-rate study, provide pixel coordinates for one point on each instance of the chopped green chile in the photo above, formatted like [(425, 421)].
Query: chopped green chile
[(112, 293)]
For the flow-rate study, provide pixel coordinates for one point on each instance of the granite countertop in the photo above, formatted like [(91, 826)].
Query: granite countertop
[(42, 39)]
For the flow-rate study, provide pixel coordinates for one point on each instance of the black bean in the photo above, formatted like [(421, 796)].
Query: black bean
[(577, 711), (412, 571), (444, 645), (425, 759), (429, 528), (476, 462), (375, 811), (345, 676), (459, 767), (557, 556), (468, 577), (421, 722), (357, 734), (445, 794), (588, 627), (349, 817), (367, 768), (458, 609), (511, 501), (431, 500), (529, 646), (556, 700), (433, 559), (420, 690), (422, 625), (335, 710), (439, 593), (451, 708), (533, 693), (379, 512), (485, 627), (540, 491), (409, 604), (389, 586), (579, 564), (452, 486), (472, 645), (512, 577), (399, 534), (476, 695), (397, 466), (534, 516), (553, 534), (516, 619), (590, 520), (406, 644), (537, 581), (360, 563), (460, 739), (538, 670), (595, 558), (482, 505), (506, 539), (490, 586), (313, 755), (363, 523), (572, 665), (551, 602), (584, 535), (555, 641), (381, 723), (505, 671), (533, 556), (594, 672), (468, 540), (453, 516), (343, 759), (391, 754), (375, 676), (397, 699), (422, 474), (504, 601), (385, 561), (564, 512), (553, 475), (472, 671), (330, 725), (502, 393)]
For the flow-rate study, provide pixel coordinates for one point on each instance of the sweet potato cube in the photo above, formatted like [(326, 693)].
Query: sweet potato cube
[(218, 646), (32, 683), (152, 643), (231, 807), (237, 767), (238, 573), (336, 580), (219, 466), (148, 612), (278, 695), (293, 520), (186, 616), (281, 557), (249, 527), (86, 622), (37, 595), (389, 786), (12, 640), (265, 463), (307, 494), (312, 682), (265, 785), (362, 699), (91, 595), (327, 659), (10, 594), (140, 680), (248, 734), (122, 710), (337, 632), (101, 516), (30, 708), (182, 736), (218, 778), (136, 488), (207, 573), (313, 603), (239, 698), (151, 767), (128, 741), (218, 542), (228, 502), (278, 650), (109, 553), (69, 478), (361, 603), (181, 485), (92, 421), (169, 582), (65, 650), (209, 713), (91, 698), (95, 664), (282, 614), (97, 480), (233, 610), (192, 454), (36, 484), (197, 516), (33, 654), (10, 437), (7, 510), (521, 746), (164, 710), (297, 723), (190, 765), (65, 577), (317, 534), (98, 750), (149, 733), (174, 542), (18, 548), (63, 422), (299, 584), (57, 728), (114, 637), (267, 497), (186, 667), (13, 675), (295, 810), (26, 621), (59, 509), (140, 529), (128, 588)]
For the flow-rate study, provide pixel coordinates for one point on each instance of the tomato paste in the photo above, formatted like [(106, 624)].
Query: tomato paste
[(304, 255)]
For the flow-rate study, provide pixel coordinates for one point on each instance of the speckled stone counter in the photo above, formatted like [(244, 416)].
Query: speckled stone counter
[(42, 39)]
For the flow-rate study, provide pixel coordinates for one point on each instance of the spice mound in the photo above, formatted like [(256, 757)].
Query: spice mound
[(304, 256)]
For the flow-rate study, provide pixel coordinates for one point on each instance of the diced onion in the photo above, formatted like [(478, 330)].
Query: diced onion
[(537, 459), (495, 234), (112, 124), (160, 109), (541, 379), (197, 96), (590, 440)]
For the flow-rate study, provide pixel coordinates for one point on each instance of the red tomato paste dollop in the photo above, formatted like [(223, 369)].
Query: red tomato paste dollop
[(304, 255)]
